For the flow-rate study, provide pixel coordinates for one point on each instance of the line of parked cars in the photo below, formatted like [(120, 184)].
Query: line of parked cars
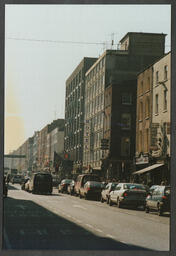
[(122, 194)]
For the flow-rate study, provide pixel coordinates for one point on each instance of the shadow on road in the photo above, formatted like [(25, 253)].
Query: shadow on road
[(27, 225)]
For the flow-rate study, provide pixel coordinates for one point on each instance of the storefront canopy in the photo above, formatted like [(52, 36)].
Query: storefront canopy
[(147, 169)]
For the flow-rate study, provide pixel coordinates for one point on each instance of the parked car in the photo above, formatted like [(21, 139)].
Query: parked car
[(158, 200), (129, 194), (55, 180), (5, 187), (71, 188), (24, 182), (106, 191), (17, 179), (63, 185), (40, 182), (92, 189), (81, 180)]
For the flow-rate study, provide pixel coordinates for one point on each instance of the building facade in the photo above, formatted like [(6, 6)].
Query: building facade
[(113, 69), (144, 117), (153, 129), (161, 118), (74, 113)]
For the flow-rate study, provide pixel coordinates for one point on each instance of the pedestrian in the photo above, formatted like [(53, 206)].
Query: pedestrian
[(162, 183)]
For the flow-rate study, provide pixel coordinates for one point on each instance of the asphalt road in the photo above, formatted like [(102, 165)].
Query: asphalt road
[(65, 222)]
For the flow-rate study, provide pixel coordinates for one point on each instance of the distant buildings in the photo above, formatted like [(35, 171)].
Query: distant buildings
[(40, 149)]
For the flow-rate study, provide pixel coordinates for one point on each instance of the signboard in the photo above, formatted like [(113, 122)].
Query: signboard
[(142, 159)]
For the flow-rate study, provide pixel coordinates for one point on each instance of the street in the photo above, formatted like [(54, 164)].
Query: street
[(64, 222)]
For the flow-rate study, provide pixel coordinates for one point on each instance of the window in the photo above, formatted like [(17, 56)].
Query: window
[(125, 146), (141, 111), (142, 88), (147, 107), (157, 76), (140, 141), (156, 104), (147, 140), (126, 121), (148, 84), (165, 72), (165, 100), (126, 98)]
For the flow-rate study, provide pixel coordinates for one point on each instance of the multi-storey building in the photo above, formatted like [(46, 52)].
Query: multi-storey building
[(35, 151), (74, 113), (114, 69), (144, 117), (55, 141), (119, 129), (42, 148), (161, 118), (153, 122)]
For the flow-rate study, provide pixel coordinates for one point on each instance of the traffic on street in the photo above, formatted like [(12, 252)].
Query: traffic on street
[(62, 221)]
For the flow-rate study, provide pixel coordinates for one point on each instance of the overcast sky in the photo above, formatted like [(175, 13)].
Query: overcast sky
[(36, 70)]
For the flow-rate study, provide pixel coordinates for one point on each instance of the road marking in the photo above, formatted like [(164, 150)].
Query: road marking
[(122, 242), (90, 226), (99, 230), (7, 240), (79, 206), (110, 236), (78, 221)]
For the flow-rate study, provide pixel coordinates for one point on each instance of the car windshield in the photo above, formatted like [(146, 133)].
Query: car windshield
[(134, 186), (67, 181)]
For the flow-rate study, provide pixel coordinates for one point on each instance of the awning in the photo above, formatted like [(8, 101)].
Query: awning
[(149, 168)]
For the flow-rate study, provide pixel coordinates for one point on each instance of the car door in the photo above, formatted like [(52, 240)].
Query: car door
[(115, 192)]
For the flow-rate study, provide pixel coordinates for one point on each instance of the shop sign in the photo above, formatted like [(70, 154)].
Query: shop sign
[(142, 159)]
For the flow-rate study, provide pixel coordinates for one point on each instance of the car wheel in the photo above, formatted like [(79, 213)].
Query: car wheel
[(110, 202), (160, 211), (147, 209), (119, 204)]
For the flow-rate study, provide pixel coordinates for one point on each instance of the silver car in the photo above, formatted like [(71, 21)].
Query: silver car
[(129, 194)]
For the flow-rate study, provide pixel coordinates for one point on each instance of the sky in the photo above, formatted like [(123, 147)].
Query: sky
[(45, 43)]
